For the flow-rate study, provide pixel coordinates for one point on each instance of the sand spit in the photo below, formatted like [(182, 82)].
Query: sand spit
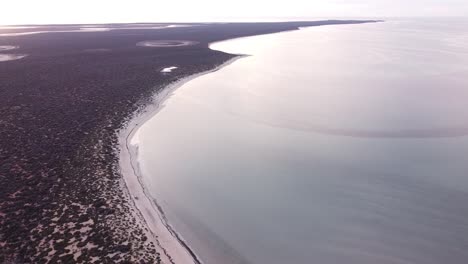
[(166, 43), (7, 47), (14, 34), (171, 243), (11, 57), (88, 28), (17, 27)]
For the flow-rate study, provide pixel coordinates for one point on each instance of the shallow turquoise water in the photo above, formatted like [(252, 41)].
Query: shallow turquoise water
[(335, 144)]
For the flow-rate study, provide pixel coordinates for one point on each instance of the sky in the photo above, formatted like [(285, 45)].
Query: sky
[(102, 11)]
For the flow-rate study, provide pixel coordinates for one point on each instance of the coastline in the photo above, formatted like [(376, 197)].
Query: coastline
[(171, 244), (64, 198)]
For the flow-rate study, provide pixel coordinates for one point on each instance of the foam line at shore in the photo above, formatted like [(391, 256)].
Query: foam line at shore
[(172, 246)]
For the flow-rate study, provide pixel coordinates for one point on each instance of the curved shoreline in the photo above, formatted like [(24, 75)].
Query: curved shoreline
[(172, 246)]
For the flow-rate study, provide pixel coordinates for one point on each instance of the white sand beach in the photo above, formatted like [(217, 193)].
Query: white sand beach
[(170, 243)]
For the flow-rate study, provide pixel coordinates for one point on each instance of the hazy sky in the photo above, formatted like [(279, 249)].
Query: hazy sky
[(97, 11)]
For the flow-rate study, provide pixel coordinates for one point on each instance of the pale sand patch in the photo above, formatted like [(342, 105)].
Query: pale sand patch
[(11, 57), (168, 69)]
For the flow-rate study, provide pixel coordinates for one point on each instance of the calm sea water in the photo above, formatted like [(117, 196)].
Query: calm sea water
[(335, 144)]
